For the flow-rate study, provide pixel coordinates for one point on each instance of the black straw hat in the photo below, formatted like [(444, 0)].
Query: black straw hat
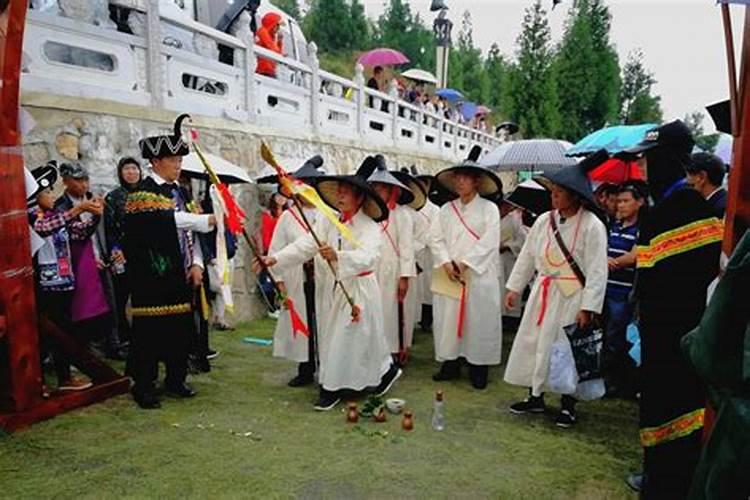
[(383, 176), (373, 206), (575, 178), (162, 146), (416, 187), (307, 173)]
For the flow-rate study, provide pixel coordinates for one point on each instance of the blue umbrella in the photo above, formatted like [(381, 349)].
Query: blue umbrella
[(468, 109), (614, 139), (450, 94)]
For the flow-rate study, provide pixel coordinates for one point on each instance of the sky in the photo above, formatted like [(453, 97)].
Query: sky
[(682, 40)]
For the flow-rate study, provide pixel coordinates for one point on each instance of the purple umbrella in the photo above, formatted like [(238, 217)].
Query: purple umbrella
[(382, 57), (483, 110)]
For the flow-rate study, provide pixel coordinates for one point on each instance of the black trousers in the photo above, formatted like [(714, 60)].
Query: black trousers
[(56, 306), (122, 294), (154, 339), (307, 369)]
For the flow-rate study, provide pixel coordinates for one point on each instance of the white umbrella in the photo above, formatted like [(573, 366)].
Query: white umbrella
[(227, 171), (420, 75)]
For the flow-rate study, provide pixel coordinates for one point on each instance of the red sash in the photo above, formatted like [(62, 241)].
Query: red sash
[(462, 302), (463, 222), (299, 220), (393, 243)]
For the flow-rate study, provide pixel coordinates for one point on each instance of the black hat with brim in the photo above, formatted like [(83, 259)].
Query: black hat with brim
[(307, 173), (383, 176), (575, 178), (163, 146), (416, 188), (327, 187), (45, 177), (489, 183), (674, 135)]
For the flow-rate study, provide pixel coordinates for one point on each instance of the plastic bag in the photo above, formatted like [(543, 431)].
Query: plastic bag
[(633, 336), (562, 377), (586, 344), (591, 389)]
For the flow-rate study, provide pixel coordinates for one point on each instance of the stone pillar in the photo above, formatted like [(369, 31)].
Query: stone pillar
[(251, 61), (393, 93), (156, 68), (314, 88), (359, 82)]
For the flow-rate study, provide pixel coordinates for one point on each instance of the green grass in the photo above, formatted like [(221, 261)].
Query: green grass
[(248, 435)]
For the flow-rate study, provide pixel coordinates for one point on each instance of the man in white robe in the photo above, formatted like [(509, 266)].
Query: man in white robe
[(302, 284), (423, 222), (465, 244), (396, 267), (558, 297), (512, 238), (356, 354)]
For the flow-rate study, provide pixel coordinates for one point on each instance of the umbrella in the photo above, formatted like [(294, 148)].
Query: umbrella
[(530, 196), (468, 110), (450, 94), (724, 148), (420, 75), (721, 113), (382, 57), (532, 154), (228, 172), (483, 110), (616, 171), (614, 139)]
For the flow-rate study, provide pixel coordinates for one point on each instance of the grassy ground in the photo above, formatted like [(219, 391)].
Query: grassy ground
[(248, 435)]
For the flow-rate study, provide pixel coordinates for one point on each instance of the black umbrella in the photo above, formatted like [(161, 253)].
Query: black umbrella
[(531, 196), (721, 113)]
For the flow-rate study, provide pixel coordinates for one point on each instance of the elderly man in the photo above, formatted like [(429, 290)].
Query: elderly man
[(165, 266)]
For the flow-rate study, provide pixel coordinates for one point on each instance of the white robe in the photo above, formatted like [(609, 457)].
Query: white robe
[(422, 224), (396, 261), (528, 364), (481, 343), (354, 355), (288, 230), (512, 238)]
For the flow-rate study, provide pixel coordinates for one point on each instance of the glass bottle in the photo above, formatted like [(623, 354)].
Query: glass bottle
[(438, 412)]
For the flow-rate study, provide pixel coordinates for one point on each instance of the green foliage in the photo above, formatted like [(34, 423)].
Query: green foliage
[(398, 28), (291, 7), (531, 96), (637, 103), (587, 71), (337, 25), (466, 69)]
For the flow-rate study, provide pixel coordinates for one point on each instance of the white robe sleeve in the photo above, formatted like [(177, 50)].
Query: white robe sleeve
[(525, 265), (406, 239), (421, 230), (279, 240), (192, 222), (436, 243), (354, 262), (594, 266), (295, 253), (487, 248)]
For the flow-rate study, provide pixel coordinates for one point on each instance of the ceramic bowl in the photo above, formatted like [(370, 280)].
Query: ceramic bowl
[(395, 405)]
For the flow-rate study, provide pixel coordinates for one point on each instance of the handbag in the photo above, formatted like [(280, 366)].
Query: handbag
[(586, 344)]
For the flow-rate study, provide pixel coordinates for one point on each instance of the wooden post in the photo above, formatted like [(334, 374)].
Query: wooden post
[(737, 219), (23, 379)]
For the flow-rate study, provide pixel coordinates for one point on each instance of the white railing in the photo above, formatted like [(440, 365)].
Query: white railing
[(184, 74)]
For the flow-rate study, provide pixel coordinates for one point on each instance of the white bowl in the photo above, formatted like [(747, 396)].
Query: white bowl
[(395, 405)]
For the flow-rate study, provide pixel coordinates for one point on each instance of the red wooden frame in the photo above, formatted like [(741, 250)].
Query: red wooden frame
[(21, 401)]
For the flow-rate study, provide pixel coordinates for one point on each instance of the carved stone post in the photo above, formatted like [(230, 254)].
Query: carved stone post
[(314, 88), (359, 81), (393, 93), (251, 60), (156, 68)]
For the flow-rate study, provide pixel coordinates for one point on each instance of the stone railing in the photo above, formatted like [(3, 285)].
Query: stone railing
[(173, 63)]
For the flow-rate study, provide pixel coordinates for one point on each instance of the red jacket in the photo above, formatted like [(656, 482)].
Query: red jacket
[(264, 38)]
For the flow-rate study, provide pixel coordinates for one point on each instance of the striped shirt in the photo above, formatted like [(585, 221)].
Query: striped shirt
[(621, 241)]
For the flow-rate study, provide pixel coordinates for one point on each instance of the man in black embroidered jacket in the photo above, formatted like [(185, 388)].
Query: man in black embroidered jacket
[(678, 256), (164, 267)]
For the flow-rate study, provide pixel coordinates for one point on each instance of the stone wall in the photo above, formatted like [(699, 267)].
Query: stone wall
[(98, 133)]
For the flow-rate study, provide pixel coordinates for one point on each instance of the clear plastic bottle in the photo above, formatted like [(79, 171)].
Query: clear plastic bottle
[(438, 412)]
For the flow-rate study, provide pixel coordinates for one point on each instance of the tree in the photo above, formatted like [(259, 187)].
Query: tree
[(291, 7), (706, 142), (637, 104), (466, 68), (496, 68), (531, 94), (337, 25), (587, 69), (398, 28)]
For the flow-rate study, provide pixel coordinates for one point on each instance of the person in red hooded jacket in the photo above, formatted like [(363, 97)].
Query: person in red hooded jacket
[(269, 37)]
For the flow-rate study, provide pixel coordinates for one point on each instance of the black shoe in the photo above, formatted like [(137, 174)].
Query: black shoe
[(532, 404), (212, 354), (180, 391), (478, 376), (566, 418), (327, 400), (635, 481), (301, 381), (388, 380), (449, 370), (147, 401), (198, 364)]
